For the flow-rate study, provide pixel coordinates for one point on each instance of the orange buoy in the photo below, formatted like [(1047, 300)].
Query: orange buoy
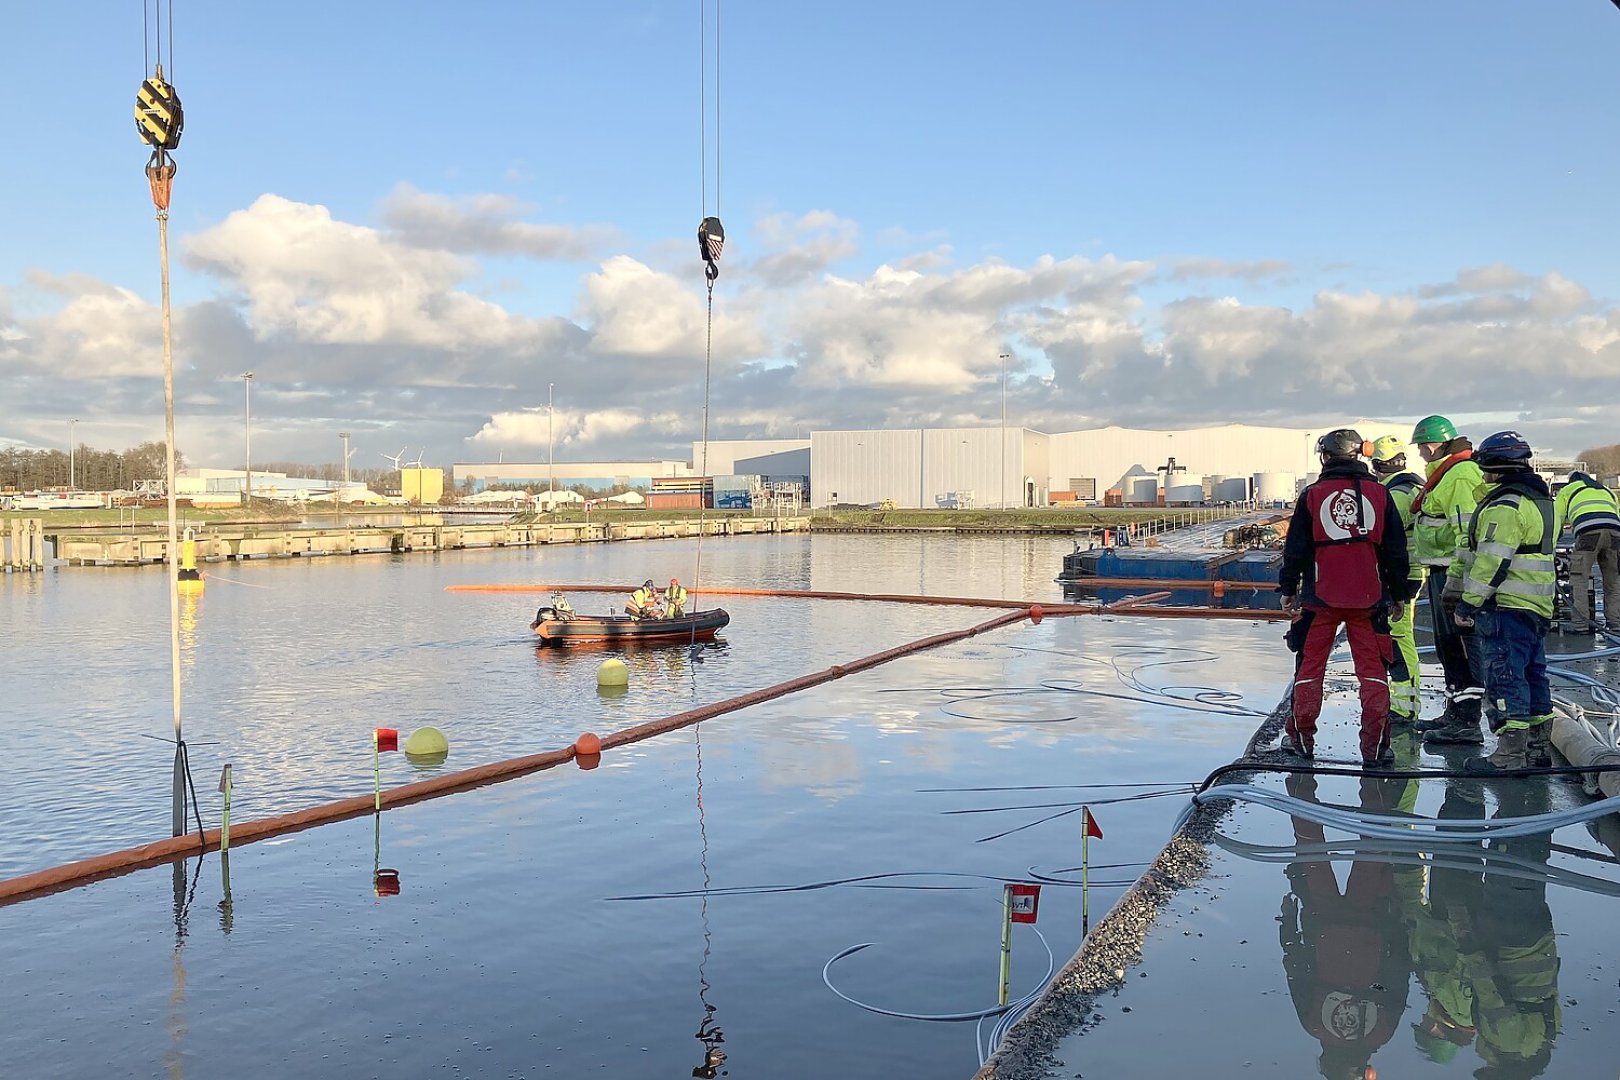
[(1035, 613), (587, 745)]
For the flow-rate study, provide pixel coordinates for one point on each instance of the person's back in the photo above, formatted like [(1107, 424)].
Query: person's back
[(1592, 513), (1344, 562)]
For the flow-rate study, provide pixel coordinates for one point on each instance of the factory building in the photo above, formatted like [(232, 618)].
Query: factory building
[(596, 475)]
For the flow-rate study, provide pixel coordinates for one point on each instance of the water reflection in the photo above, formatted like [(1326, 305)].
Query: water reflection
[(708, 1032), (1473, 926)]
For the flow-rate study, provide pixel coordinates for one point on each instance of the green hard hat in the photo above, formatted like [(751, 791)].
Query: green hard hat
[(1434, 429)]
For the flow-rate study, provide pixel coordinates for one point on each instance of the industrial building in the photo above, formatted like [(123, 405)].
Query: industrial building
[(976, 467), (596, 475)]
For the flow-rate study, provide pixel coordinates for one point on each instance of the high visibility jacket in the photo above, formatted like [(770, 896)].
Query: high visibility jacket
[(1583, 505), (1508, 559), (1345, 548), (642, 597), (1442, 510), (1403, 488), (675, 596)]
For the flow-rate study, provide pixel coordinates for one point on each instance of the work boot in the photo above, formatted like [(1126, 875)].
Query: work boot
[(1381, 760), (1511, 753), (1297, 746), (1402, 722), (1538, 752), (1444, 720), (1463, 730)]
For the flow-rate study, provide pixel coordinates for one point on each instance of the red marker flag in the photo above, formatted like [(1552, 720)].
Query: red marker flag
[(387, 739), (1092, 828), (1024, 901)]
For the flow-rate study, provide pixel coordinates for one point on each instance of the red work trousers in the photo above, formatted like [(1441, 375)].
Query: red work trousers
[(1370, 651)]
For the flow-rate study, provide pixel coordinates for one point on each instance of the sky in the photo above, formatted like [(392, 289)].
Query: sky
[(413, 221)]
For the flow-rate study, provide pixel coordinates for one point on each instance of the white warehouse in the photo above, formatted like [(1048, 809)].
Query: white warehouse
[(925, 467)]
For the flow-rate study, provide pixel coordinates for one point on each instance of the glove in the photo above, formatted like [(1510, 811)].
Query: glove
[(1453, 590)]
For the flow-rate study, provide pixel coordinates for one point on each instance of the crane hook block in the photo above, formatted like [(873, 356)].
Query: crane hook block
[(158, 116), (711, 238)]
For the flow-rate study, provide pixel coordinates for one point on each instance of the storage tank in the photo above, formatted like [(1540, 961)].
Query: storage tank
[(1232, 489), (1143, 491), (1186, 489), (1274, 487)]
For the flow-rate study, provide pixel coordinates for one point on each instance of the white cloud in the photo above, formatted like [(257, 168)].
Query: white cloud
[(316, 279), (485, 225)]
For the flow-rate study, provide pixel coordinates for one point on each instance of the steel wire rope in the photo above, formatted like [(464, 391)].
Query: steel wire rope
[(710, 274)]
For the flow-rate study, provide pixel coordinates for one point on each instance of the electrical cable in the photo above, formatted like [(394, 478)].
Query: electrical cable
[(937, 1018)]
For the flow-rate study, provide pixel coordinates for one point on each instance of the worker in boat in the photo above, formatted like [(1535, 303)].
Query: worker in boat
[(1441, 512), (1389, 465), (1590, 510), (643, 602), (1344, 562), (560, 605), (675, 599), (1509, 585)]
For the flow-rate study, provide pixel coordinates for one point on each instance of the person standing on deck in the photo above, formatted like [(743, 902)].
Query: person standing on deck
[(1441, 512), (1389, 465), (1509, 586), (1591, 511), (1344, 562)]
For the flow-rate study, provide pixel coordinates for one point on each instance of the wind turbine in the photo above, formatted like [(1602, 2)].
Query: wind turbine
[(417, 464), (396, 458)]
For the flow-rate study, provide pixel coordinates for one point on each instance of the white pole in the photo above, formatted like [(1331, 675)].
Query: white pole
[(551, 468), (1004, 358), (73, 483), (344, 435), (247, 423)]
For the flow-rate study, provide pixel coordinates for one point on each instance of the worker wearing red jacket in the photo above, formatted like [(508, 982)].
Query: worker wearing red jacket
[(1344, 562)]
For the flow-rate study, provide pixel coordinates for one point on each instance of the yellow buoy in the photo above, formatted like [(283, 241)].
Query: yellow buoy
[(427, 740), (613, 673), (189, 580)]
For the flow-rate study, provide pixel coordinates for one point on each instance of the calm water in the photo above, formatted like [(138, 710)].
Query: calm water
[(504, 953)]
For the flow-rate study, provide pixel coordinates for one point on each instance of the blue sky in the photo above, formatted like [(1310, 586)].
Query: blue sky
[(1196, 177)]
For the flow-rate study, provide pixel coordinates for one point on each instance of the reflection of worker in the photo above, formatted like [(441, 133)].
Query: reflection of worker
[(643, 603), (1485, 950), (710, 1035), (1344, 953), (675, 599)]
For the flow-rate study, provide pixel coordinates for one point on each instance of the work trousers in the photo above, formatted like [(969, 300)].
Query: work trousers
[(1512, 646), (1465, 678), (1371, 652), (1598, 548), (1403, 692)]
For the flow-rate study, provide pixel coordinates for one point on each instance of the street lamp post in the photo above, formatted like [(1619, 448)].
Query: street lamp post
[(344, 435), (1004, 358), (551, 468), (247, 424), (73, 483)]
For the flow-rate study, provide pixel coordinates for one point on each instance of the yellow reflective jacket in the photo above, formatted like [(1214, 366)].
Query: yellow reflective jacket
[(1442, 511), (1583, 504), (1509, 556)]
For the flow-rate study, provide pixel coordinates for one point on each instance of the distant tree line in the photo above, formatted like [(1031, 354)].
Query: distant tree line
[(1602, 461), (92, 470)]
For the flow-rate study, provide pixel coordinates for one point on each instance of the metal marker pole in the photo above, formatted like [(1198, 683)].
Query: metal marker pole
[(376, 771), (1006, 944), (225, 823), (1085, 871)]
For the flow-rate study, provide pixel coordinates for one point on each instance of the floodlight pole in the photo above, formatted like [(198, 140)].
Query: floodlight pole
[(551, 467), (1004, 358), (247, 423)]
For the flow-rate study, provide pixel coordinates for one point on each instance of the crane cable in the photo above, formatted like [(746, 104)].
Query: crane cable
[(711, 241), (159, 121)]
